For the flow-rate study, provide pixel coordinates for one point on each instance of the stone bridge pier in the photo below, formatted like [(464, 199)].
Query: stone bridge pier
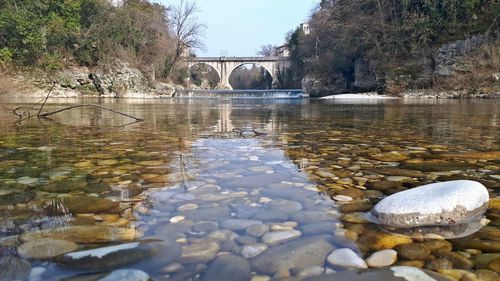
[(226, 65)]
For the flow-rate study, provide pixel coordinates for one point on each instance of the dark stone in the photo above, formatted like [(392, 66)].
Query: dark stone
[(154, 250), (90, 204), (205, 226), (16, 197), (173, 230), (14, 268), (299, 254), (65, 186), (384, 185), (228, 267), (97, 188), (244, 211)]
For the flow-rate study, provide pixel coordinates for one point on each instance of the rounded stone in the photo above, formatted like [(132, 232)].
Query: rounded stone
[(84, 234), (90, 204), (346, 258), (458, 260), (438, 246), (439, 264), (495, 265), (413, 251), (251, 251), (205, 226), (257, 230), (116, 256), (445, 203), (126, 275), (382, 258), (278, 237), (300, 253), (380, 241), (200, 252), (285, 205), (46, 248)]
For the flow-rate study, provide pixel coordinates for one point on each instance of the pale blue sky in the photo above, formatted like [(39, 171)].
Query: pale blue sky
[(240, 27)]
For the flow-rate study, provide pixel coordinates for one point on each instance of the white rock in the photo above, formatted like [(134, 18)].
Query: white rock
[(27, 180), (126, 275), (346, 258), (99, 253), (342, 198), (36, 273), (382, 258), (278, 237), (444, 203), (177, 219)]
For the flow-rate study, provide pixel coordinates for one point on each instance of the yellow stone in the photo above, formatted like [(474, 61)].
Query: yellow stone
[(356, 217), (392, 156), (486, 155), (83, 164), (495, 203), (458, 274), (380, 241), (150, 163), (109, 162), (84, 234)]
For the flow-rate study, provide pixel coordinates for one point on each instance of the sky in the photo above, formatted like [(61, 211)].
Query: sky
[(241, 27)]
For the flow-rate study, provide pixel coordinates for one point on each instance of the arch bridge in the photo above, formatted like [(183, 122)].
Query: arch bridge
[(226, 65)]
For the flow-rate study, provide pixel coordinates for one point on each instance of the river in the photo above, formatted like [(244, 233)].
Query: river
[(258, 188)]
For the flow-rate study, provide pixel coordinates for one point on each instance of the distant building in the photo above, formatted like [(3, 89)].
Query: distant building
[(305, 27), (283, 50), (116, 3)]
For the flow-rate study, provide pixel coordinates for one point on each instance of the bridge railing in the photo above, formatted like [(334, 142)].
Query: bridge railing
[(238, 59)]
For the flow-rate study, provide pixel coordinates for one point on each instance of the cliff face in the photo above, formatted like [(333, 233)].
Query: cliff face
[(462, 68), (118, 79)]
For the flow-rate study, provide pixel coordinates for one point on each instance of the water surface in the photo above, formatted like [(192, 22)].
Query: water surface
[(250, 178)]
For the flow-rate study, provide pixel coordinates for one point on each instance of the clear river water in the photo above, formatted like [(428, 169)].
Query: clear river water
[(257, 189)]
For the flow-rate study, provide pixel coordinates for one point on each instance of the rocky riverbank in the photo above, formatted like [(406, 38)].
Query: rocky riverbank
[(459, 69), (117, 80)]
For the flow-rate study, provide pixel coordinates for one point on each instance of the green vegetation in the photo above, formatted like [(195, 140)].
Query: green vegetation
[(388, 33), (56, 33)]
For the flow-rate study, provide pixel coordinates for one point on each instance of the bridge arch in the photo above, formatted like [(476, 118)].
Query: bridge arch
[(267, 71), (212, 67)]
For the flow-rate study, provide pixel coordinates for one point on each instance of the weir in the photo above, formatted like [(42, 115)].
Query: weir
[(245, 94)]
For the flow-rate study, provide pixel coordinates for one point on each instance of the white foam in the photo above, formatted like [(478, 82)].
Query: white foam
[(358, 96), (435, 198), (101, 252)]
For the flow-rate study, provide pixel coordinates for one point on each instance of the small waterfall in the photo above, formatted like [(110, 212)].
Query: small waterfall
[(242, 94)]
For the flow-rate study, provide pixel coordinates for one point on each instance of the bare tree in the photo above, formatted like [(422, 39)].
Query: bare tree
[(187, 29), (267, 51)]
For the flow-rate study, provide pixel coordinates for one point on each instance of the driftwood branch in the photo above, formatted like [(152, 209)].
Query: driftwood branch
[(88, 105), (24, 112)]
